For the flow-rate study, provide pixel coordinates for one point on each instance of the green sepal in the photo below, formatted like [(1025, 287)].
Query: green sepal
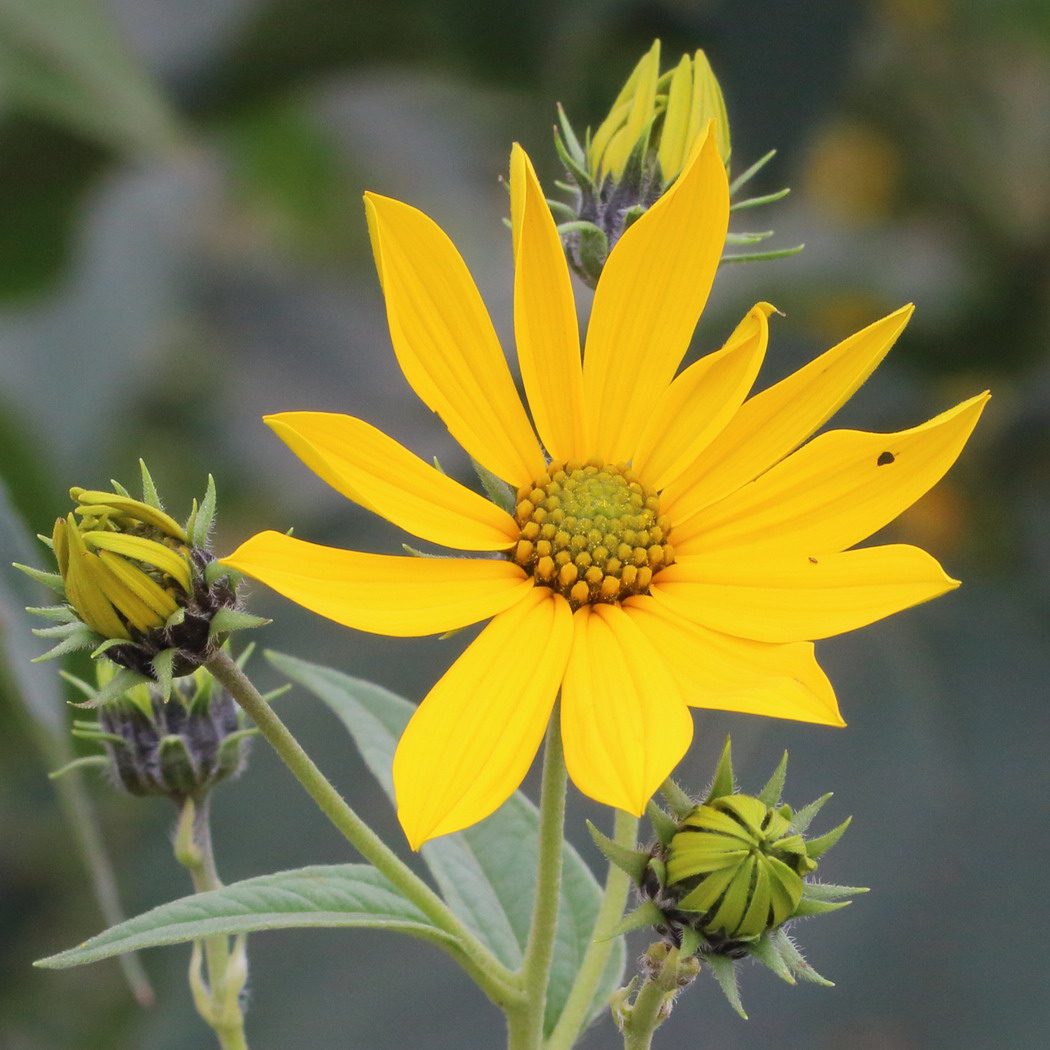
[(768, 955), (560, 208), (60, 613), (825, 891), (201, 518), (751, 172), (822, 843), (692, 940), (229, 755), (754, 202), (78, 683), (664, 825), (81, 639), (215, 571), (807, 907), (51, 580), (782, 253), (592, 248), (769, 796), (495, 488), (680, 802), (101, 648), (163, 666), (572, 143), (659, 869), (79, 763), (632, 215), (792, 958), (60, 630), (748, 238), (723, 781), (114, 689), (804, 817), (226, 620), (646, 914), (176, 766), (417, 553), (633, 862), (149, 490), (576, 168), (724, 970)]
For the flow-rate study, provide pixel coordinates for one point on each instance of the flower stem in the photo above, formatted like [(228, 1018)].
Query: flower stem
[(525, 1024), (651, 1005), (218, 999), (494, 979), (577, 1010)]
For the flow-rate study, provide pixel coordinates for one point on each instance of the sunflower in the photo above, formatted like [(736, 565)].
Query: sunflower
[(668, 544)]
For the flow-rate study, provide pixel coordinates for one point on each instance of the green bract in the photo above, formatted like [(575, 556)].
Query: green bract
[(138, 586)]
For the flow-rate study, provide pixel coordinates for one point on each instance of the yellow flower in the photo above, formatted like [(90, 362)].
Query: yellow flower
[(668, 547)]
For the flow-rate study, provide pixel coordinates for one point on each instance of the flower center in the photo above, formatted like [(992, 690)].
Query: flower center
[(591, 531)]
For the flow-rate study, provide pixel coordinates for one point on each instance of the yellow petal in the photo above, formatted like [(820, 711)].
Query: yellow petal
[(674, 138), (372, 469), (723, 673), (381, 593), (775, 422), (709, 103), (624, 720), (545, 324), (445, 342), (834, 492), (701, 401), (648, 300), (149, 551), (627, 116), (475, 735), (789, 599)]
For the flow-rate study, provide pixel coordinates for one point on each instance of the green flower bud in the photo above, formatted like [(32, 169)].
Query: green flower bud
[(727, 875), (735, 868), (139, 586), (181, 746)]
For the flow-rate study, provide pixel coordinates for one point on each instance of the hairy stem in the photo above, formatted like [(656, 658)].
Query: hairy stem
[(525, 1025), (218, 999), (577, 1009)]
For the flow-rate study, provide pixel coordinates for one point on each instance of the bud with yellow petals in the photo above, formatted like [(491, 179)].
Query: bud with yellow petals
[(138, 586), (617, 173)]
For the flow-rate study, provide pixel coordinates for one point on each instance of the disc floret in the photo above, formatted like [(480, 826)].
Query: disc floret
[(591, 531)]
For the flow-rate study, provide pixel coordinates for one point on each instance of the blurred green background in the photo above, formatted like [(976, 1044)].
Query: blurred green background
[(182, 248)]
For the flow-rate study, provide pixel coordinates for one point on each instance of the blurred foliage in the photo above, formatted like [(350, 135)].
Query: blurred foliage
[(182, 249)]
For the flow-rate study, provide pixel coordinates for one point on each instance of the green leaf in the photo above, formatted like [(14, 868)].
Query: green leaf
[(65, 59), (322, 895), (486, 873)]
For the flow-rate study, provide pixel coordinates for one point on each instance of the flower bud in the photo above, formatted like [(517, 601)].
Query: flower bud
[(138, 586), (638, 150), (726, 876), (180, 747), (735, 867)]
